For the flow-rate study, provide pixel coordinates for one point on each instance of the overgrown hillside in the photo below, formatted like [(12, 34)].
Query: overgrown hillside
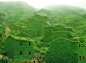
[(16, 11), (42, 27), (69, 16), (65, 9)]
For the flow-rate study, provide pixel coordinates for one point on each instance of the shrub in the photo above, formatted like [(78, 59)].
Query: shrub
[(4, 60)]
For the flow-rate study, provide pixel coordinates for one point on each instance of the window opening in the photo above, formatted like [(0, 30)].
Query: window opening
[(21, 43), (80, 58), (20, 52), (29, 53), (29, 43), (84, 59), (48, 52), (79, 46)]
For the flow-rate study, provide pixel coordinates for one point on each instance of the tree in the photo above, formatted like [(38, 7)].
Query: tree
[(2, 15)]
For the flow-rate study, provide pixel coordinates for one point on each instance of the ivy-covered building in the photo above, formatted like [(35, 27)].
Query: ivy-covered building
[(37, 22), (53, 32), (19, 48), (63, 50), (32, 32), (36, 25), (63, 47)]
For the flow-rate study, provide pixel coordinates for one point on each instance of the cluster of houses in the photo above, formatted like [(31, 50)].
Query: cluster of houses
[(64, 48)]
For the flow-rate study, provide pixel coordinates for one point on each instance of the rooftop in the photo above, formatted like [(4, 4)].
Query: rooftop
[(18, 38)]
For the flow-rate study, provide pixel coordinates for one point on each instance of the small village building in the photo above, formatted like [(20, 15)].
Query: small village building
[(19, 48), (63, 50), (36, 25), (53, 32), (37, 22)]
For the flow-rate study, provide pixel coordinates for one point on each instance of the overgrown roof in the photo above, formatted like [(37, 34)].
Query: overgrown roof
[(38, 17), (61, 38), (23, 34), (18, 38), (62, 28)]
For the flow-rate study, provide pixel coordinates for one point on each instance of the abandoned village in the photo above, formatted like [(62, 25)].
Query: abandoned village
[(56, 45)]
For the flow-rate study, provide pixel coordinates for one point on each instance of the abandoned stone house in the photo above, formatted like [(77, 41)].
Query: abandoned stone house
[(37, 23), (63, 50), (53, 32), (19, 48), (63, 47)]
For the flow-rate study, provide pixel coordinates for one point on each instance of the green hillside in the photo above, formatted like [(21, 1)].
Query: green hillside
[(16, 11), (69, 16), (61, 8)]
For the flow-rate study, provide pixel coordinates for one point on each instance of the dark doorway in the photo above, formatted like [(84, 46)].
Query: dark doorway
[(34, 61)]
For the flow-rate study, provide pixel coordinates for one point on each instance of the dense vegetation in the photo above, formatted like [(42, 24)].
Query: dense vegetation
[(19, 13), (16, 11), (68, 16)]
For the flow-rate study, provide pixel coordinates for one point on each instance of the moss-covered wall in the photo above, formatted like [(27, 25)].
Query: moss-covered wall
[(80, 46), (37, 25), (61, 52), (81, 53), (59, 28), (56, 34), (51, 33), (64, 34), (25, 48), (9, 46), (85, 48), (32, 32), (48, 33), (75, 48), (14, 46)]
